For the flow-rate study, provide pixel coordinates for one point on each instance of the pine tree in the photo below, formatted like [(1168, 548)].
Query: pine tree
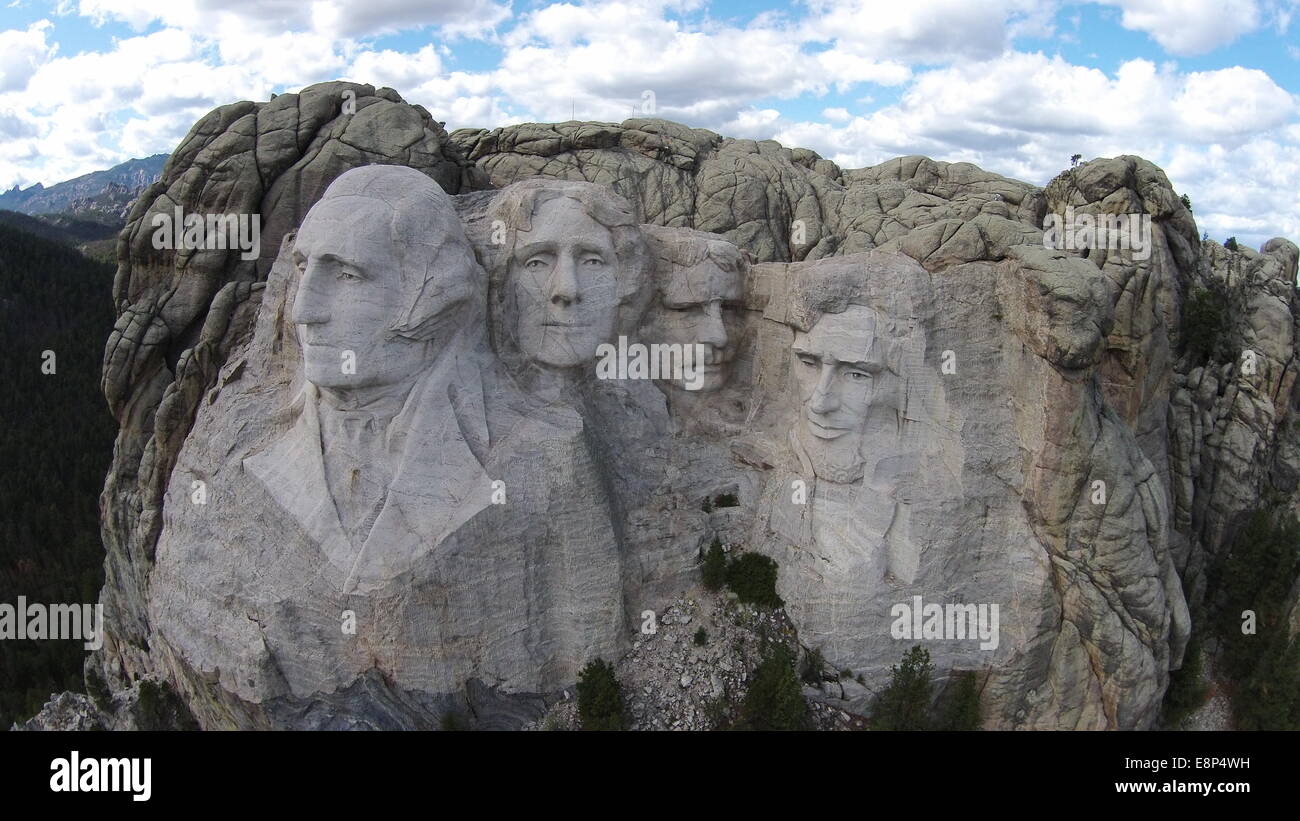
[(714, 569), (752, 577), (963, 704), (600, 698), (55, 445), (905, 704), (775, 699)]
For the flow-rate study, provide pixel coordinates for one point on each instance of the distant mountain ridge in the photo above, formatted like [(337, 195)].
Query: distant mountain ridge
[(107, 193)]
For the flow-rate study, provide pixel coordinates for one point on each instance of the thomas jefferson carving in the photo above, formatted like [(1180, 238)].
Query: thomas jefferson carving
[(571, 273)]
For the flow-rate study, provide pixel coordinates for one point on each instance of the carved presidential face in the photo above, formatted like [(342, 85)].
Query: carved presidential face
[(350, 296), (701, 305), (837, 367), (564, 272)]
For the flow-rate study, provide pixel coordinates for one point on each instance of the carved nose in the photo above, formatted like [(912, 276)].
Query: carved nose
[(564, 284), (308, 305), (713, 331), (824, 400)]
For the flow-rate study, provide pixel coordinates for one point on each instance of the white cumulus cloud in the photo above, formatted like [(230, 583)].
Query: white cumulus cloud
[(21, 53)]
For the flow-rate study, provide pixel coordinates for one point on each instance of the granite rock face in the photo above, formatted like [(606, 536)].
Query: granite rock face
[(179, 311), (912, 400)]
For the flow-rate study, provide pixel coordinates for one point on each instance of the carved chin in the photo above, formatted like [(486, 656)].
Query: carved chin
[(327, 374), (560, 347), (835, 460), (712, 378), (557, 356)]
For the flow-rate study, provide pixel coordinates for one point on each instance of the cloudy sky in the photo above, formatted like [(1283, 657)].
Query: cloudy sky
[(1207, 89)]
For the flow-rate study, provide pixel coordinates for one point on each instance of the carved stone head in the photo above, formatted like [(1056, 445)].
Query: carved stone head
[(386, 275), (698, 299), (847, 354), (572, 271)]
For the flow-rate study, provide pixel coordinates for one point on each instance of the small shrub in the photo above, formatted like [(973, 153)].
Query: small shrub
[(775, 700), (1186, 201), (1204, 324), (453, 722), (725, 500), (720, 712), (962, 709), (152, 700), (714, 569), (1186, 691), (1231, 244), (600, 699), (1257, 574), (812, 667), (158, 707), (98, 689), (1074, 159), (1268, 698), (752, 577), (707, 505), (701, 637)]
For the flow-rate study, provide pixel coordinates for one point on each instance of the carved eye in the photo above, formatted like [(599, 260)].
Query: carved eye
[(535, 263), (859, 376), (348, 276), (594, 261), (808, 359)]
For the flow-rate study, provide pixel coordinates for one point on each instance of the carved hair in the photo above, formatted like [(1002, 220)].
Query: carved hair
[(436, 264), (682, 248), (831, 288)]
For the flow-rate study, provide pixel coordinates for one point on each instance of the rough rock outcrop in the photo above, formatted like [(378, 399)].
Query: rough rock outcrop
[(1036, 437)]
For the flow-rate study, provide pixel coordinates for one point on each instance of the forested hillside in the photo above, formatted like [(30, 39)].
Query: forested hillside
[(56, 437)]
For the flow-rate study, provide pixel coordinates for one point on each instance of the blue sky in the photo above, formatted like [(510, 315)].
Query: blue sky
[(1207, 89)]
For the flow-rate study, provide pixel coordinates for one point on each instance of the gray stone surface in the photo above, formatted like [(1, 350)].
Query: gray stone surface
[(180, 312), (900, 348), (443, 584)]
